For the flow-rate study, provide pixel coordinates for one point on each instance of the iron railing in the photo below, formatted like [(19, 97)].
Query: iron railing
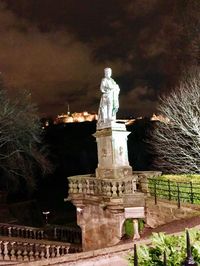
[(187, 192)]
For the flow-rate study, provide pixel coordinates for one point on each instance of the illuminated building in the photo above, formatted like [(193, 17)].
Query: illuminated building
[(75, 117), (85, 116)]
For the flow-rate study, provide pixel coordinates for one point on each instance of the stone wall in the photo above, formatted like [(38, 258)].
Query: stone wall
[(101, 227), (100, 205), (168, 211)]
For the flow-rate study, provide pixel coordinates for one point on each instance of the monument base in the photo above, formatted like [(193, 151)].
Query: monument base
[(112, 152), (102, 219)]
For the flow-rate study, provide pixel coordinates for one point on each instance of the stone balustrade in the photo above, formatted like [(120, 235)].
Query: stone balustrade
[(13, 230), (142, 179), (86, 184), (55, 233), (67, 234), (16, 249)]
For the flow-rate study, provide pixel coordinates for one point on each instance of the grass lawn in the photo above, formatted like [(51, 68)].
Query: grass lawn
[(186, 187)]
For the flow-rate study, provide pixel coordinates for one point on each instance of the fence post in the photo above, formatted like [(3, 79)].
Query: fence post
[(155, 192), (135, 256), (178, 191), (169, 189), (164, 259), (191, 193), (189, 261)]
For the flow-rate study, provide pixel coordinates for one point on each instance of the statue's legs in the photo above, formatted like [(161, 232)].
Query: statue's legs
[(106, 111), (105, 114), (109, 111)]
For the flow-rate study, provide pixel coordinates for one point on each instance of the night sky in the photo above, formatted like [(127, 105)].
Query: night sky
[(58, 49)]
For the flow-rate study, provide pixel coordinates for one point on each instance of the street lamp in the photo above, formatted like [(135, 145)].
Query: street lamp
[(46, 213)]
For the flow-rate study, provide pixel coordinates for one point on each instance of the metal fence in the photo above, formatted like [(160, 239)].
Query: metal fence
[(189, 261), (171, 190)]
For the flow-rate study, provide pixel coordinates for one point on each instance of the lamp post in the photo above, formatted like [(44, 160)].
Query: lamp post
[(46, 213)]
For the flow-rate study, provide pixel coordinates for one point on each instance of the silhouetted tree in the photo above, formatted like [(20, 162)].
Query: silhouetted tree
[(176, 142), (20, 136)]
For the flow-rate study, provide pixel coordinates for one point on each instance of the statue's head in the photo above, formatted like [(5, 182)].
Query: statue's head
[(108, 72)]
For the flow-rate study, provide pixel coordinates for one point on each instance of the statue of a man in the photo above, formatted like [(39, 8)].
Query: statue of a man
[(109, 103)]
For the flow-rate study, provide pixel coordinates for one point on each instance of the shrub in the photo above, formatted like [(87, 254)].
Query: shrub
[(174, 246), (129, 229)]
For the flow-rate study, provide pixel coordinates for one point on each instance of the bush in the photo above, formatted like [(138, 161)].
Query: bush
[(129, 229), (174, 246), (128, 224)]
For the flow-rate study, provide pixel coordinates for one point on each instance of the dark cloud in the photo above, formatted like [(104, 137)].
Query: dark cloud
[(143, 101), (85, 19), (50, 64), (58, 49)]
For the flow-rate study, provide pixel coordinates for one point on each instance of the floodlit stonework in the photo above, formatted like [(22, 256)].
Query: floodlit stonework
[(112, 152), (75, 118), (101, 205), (167, 211)]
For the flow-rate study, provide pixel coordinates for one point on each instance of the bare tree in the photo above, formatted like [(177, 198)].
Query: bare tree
[(20, 136), (176, 142)]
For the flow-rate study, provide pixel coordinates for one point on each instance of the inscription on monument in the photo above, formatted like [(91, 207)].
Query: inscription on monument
[(120, 150)]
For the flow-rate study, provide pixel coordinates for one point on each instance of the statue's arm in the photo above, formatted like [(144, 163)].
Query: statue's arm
[(115, 85), (104, 86), (107, 86)]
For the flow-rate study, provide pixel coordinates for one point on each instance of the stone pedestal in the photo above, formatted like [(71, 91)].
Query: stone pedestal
[(101, 200), (100, 223), (112, 152)]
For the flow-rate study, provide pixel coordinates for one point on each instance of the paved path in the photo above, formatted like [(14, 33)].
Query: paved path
[(112, 261), (119, 259), (173, 227)]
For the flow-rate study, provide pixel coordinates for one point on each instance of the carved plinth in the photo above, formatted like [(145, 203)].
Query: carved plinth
[(112, 152)]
